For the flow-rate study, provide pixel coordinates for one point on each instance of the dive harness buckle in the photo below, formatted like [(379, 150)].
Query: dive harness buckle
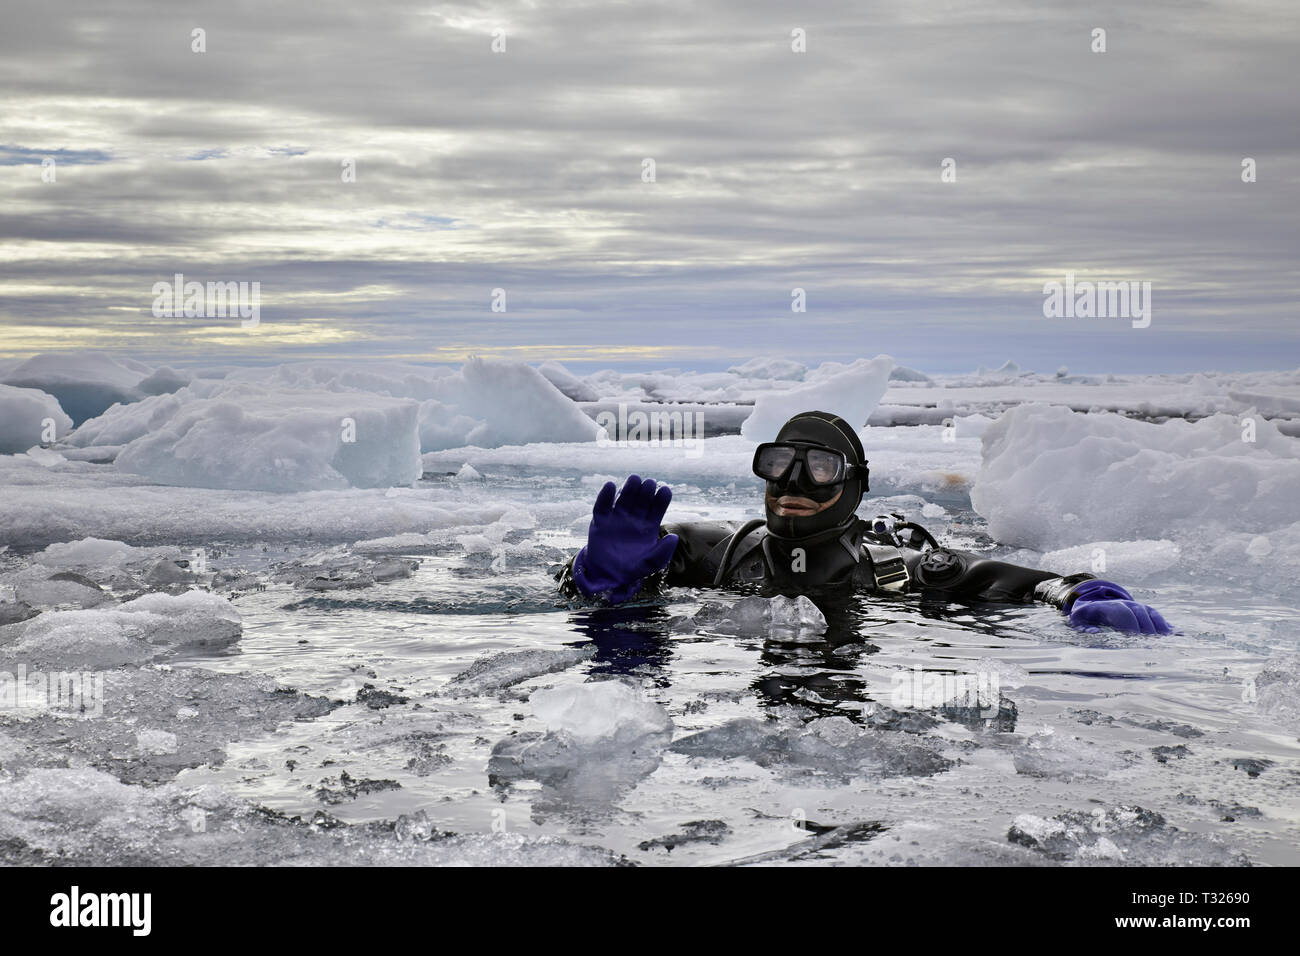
[(888, 567)]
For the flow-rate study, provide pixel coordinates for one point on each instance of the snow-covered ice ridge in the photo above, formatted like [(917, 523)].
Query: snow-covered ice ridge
[(1200, 466)]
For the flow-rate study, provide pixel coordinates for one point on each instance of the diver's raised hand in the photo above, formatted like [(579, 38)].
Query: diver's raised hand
[(1099, 604), (623, 543)]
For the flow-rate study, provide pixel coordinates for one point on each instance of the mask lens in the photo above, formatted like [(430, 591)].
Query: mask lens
[(772, 461), (825, 467)]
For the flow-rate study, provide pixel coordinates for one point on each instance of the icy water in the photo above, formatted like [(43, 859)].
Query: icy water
[(785, 745)]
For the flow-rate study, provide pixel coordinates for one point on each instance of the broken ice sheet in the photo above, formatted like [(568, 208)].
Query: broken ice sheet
[(82, 816), (602, 739), (146, 628), (159, 720), (1066, 757), (828, 746), (1119, 835)]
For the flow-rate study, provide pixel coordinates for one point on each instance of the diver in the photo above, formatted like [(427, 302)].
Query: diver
[(813, 541)]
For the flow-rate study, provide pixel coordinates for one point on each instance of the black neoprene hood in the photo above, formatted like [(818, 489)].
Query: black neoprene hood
[(828, 431)]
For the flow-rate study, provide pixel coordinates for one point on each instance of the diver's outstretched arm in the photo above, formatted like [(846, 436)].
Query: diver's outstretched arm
[(623, 541), (1092, 604)]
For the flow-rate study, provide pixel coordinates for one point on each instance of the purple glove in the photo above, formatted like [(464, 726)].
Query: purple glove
[(623, 543), (1099, 604)]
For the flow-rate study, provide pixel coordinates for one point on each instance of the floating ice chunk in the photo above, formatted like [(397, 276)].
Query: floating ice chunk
[(851, 393), (771, 368), (467, 473), (1126, 479), (338, 568), (759, 616), (798, 614), (608, 710), (29, 417), (1277, 691), (45, 457), (827, 745), (121, 424), (602, 739), (1007, 372), (40, 588), (84, 382), (163, 380), (496, 672), (442, 426), (95, 552), (1119, 834), (159, 720), (1049, 754), (901, 373), (488, 404), (971, 426), (569, 384), (86, 817), (138, 630), (252, 438)]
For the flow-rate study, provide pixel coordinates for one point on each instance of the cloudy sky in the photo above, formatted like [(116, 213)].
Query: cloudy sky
[(774, 170)]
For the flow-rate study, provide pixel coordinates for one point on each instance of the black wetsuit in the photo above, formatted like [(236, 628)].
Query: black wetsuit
[(850, 557)]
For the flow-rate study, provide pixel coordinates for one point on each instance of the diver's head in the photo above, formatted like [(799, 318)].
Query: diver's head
[(816, 475)]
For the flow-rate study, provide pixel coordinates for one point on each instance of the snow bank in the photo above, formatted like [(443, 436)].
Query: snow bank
[(851, 392), (1052, 477), (85, 383), (23, 413)]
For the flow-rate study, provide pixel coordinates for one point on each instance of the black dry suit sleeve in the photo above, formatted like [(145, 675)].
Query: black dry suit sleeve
[(965, 575)]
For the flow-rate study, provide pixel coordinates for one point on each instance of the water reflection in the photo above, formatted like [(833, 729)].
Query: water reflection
[(816, 674)]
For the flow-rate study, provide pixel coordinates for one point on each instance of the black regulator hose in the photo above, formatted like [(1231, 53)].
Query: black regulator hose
[(916, 528)]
